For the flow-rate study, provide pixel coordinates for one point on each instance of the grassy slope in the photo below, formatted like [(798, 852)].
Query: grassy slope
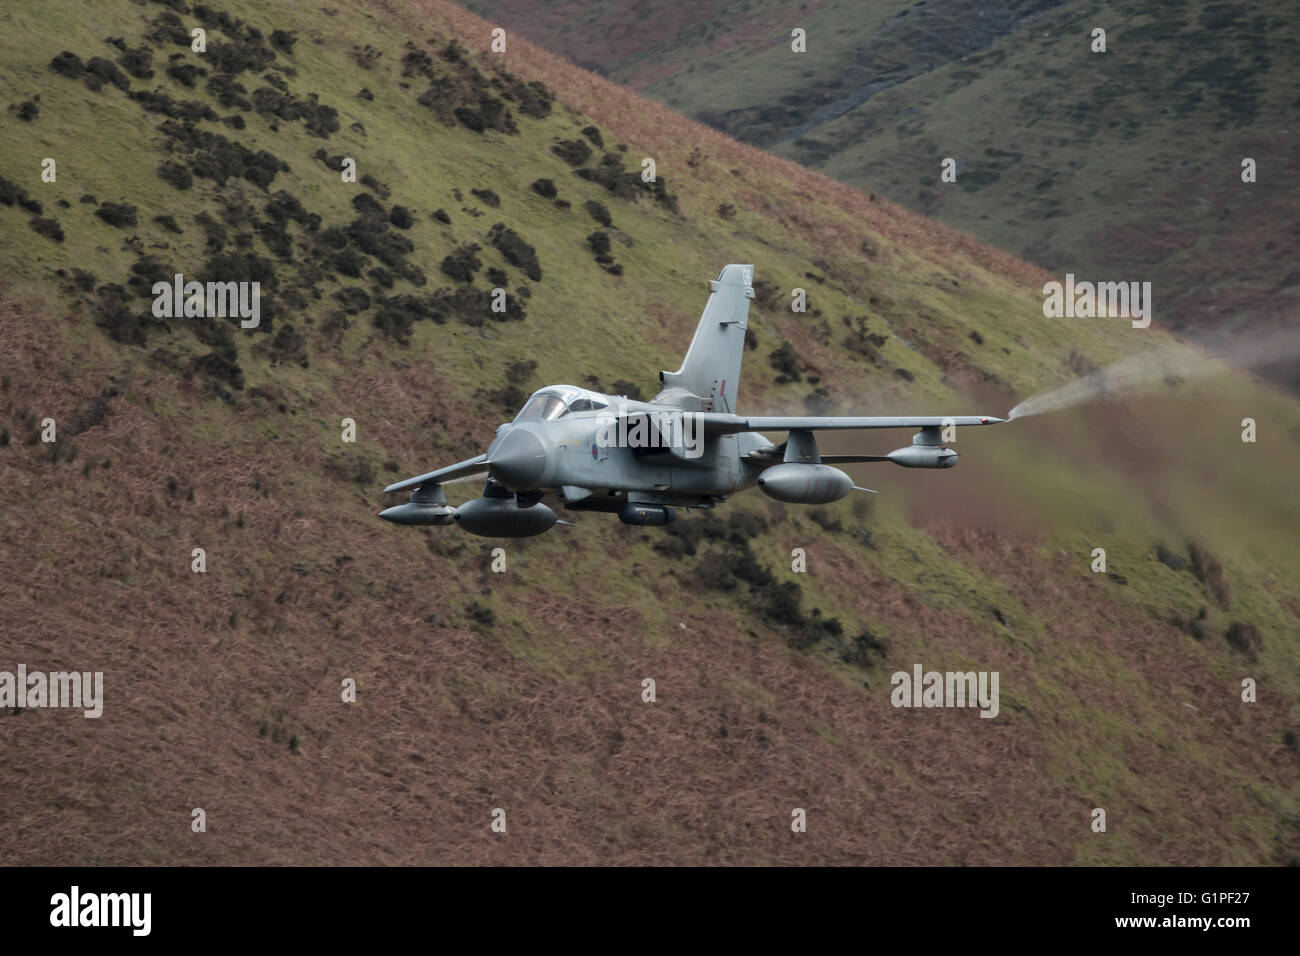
[(210, 677), (1122, 165)]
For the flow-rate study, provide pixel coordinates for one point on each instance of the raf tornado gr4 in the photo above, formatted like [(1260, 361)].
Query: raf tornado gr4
[(685, 448)]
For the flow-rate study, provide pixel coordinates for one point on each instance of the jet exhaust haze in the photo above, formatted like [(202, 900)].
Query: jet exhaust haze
[(1169, 366)]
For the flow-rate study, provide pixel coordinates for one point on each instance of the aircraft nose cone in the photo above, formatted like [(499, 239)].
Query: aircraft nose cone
[(519, 461)]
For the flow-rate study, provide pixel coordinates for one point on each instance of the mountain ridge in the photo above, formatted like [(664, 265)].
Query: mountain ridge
[(522, 690)]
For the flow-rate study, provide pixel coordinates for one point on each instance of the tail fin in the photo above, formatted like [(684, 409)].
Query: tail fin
[(711, 369)]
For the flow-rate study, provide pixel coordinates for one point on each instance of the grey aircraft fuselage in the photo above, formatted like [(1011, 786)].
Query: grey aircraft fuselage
[(569, 452), (685, 447)]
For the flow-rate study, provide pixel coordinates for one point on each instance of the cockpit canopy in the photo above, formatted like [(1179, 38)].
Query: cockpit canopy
[(554, 401)]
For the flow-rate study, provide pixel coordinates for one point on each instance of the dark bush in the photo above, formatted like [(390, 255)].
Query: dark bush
[(573, 151), (121, 215), (219, 159), (609, 173), (189, 111), (864, 646), (767, 295), (375, 186), (283, 206), (783, 604), (283, 40), (401, 217), (1197, 627), (138, 63), (630, 389), (353, 300), (598, 212), (519, 372), (348, 262), (593, 134), (261, 173), (68, 64), (441, 216), (242, 267), (216, 232), (49, 228), (417, 62), (372, 236), (276, 237), (185, 73), (117, 319), (1210, 573), (396, 316), (236, 56), (319, 119), (516, 251), (220, 364), (787, 362), (481, 614), (714, 575), (145, 272), (168, 28), (545, 188), (487, 196), (176, 175), (1244, 637), (496, 115), (100, 71), (462, 264), (27, 111), (599, 243), (367, 205), (11, 192), (230, 93), (471, 118), (534, 100)]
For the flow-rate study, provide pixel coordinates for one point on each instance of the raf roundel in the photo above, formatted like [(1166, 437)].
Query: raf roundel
[(594, 453)]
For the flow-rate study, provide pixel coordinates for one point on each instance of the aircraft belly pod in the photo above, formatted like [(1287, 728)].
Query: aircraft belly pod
[(687, 447)]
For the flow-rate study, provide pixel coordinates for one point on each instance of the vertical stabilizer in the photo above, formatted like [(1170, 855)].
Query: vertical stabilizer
[(711, 369)]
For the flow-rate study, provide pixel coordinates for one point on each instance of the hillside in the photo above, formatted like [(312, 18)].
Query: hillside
[(522, 690), (1123, 165)]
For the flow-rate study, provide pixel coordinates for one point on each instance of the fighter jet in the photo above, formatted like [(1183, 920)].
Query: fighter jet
[(685, 448)]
